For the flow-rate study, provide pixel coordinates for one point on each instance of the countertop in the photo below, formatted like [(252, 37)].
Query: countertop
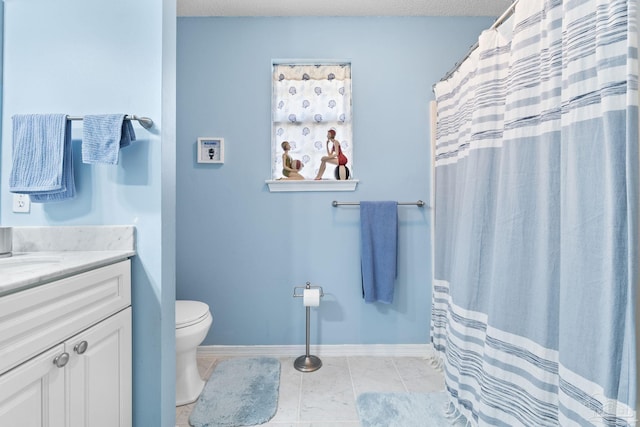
[(24, 270)]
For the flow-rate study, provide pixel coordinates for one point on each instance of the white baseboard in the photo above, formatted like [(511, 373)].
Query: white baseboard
[(381, 350)]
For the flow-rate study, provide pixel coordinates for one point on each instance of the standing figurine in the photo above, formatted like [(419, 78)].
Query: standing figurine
[(334, 156)]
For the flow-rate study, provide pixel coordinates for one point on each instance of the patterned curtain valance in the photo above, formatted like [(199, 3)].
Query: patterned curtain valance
[(305, 99), (311, 72)]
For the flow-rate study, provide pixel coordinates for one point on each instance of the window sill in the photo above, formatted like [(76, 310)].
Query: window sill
[(311, 185)]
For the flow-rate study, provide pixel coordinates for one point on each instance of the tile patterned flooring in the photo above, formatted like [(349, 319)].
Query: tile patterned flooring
[(327, 397)]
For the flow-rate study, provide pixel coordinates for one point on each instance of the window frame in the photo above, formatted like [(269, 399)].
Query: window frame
[(276, 183)]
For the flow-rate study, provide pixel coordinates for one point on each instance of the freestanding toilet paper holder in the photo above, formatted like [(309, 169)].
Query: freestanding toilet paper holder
[(307, 362)]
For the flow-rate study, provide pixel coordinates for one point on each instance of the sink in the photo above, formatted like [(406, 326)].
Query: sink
[(19, 263)]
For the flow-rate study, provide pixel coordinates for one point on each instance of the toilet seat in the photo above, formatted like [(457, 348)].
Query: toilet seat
[(189, 313)]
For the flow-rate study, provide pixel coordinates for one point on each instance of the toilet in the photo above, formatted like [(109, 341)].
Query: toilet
[(193, 320)]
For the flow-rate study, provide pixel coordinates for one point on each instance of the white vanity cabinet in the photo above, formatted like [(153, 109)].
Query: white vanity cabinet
[(65, 352)]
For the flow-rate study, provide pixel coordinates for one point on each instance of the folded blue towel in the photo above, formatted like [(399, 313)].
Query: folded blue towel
[(378, 247), (42, 164), (103, 136)]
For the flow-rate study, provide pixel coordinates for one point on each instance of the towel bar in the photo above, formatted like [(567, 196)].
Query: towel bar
[(145, 122), (335, 203)]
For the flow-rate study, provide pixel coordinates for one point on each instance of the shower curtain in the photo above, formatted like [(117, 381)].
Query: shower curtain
[(536, 219)]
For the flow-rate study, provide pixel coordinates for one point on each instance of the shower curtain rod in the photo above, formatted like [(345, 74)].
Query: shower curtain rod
[(507, 13), (145, 122), (336, 203)]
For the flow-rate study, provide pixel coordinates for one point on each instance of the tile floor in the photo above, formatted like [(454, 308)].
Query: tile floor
[(327, 397)]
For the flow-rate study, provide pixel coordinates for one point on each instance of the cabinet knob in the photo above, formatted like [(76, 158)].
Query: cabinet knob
[(81, 347), (61, 360)]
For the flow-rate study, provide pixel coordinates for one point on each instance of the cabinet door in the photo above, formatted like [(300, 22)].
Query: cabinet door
[(32, 394), (99, 374)]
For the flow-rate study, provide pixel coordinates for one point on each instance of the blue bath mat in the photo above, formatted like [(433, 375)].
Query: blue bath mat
[(405, 410), (240, 392)]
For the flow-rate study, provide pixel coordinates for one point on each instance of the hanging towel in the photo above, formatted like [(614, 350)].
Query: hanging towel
[(103, 136), (68, 190), (378, 247), (42, 164)]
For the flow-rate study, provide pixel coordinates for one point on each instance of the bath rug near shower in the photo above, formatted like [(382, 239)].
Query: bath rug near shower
[(240, 392), (405, 410)]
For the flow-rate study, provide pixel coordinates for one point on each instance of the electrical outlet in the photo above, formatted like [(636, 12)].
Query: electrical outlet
[(21, 203)]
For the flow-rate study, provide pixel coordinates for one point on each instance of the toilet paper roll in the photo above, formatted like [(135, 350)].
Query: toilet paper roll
[(311, 297)]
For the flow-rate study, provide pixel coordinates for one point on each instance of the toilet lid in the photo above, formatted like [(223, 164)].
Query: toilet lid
[(190, 312)]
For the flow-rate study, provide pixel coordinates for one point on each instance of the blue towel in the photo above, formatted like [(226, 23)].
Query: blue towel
[(42, 164), (378, 247), (103, 136)]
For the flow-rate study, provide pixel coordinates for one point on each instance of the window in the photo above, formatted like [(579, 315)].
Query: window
[(308, 101)]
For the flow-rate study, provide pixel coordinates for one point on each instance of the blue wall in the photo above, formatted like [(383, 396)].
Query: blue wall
[(78, 57), (239, 247), (242, 249)]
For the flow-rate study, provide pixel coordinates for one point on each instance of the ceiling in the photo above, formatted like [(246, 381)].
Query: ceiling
[(342, 7)]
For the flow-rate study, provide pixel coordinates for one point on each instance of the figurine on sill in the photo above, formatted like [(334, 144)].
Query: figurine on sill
[(290, 167), (334, 156)]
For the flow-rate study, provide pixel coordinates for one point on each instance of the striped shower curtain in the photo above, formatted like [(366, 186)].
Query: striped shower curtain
[(536, 219)]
